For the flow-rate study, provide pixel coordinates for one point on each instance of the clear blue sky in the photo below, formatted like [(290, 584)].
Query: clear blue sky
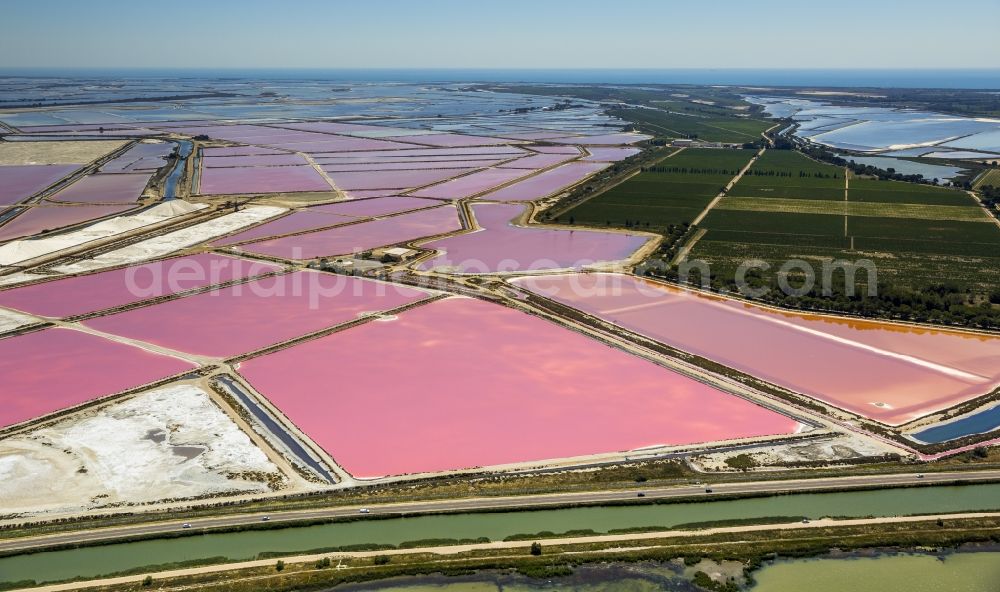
[(500, 34)]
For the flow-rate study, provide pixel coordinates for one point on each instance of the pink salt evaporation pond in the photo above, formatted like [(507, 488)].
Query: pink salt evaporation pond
[(546, 183), (392, 179), (240, 151), (276, 179), (602, 139), (247, 317), (469, 380), (471, 184), (360, 237), (425, 153), (382, 206), (55, 369), (890, 373), (47, 216), (317, 217), (347, 159), (252, 160), (18, 182), (536, 161), (450, 140), (610, 154), (502, 247), (569, 150), (105, 188), (299, 221), (109, 289), (338, 167)]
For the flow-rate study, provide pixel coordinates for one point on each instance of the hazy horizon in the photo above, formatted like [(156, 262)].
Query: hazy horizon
[(777, 34), (957, 78)]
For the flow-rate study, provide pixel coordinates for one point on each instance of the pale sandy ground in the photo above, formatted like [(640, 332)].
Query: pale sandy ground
[(175, 241), (835, 450), (18, 278), (626, 539), (19, 251), (58, 152), (130, 453), (10, 320)]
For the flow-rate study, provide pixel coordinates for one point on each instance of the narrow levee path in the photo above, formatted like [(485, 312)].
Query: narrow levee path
[(728, 186)]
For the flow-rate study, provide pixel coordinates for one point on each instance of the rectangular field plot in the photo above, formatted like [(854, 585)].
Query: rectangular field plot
[(789, 174), (723, 128), (110, 289), (773, 228), (546, 183), (917, 235), (941, 237), (674, 191), (891, 192), (502, 247), (222, 181), (360, 237), (468, 377), (247, 317), (890, 373), (852, 208), (54, 369)]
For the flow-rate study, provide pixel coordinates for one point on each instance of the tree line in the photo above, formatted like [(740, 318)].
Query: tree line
[(690, 170)]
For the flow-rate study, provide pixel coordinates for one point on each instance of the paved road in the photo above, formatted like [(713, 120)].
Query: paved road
[(513, 502)]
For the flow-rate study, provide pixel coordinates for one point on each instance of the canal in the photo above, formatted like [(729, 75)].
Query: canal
[(106, 559)]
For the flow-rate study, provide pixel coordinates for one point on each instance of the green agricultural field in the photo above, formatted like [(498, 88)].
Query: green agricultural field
[(772, 228), (853, 208), (673, 192), (790, 161), (918, 235), (872, 190), (788, 174), (991, 177), (704, 127)]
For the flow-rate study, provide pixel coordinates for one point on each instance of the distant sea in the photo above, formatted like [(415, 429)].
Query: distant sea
[(922, 78)]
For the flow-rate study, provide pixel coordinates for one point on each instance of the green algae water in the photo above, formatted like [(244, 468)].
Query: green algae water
[(90, 562), (958, 572)]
